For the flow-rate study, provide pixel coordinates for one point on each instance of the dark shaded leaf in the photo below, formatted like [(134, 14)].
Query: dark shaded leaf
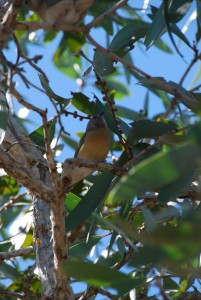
[(156, 29), (177, 188), (122, 43), (3, 119), (100, 275), (9, 272), (127, 36), (149, 129), (37, 136), (178, 9), (192, 103), (198, 11), (124, 112), (82, 248), (166, 167), (90, 201), (50, 93)]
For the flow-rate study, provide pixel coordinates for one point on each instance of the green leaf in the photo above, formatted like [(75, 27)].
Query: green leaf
[(9, 272), (81, 102), (156, 29), (122, 43), (98, 9), (50, 93), (110, 260), (121, 90), (81, 249), (71, 201), (65, 63), (148, 218), (163, 46), (149, 129), (121, 246), (176, 188), (101, 276), (175, 29), (8, 185), (3, 118), (192, 103), (166, 168), (69, 141), (72, 41), (124, 112), (37, 136), (178, 9), (198, 11), (103, 64), (127, 36), (49, 36), (90, 201)]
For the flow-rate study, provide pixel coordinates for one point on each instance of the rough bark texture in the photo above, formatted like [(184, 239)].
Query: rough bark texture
[(22, 160), (44, 245)]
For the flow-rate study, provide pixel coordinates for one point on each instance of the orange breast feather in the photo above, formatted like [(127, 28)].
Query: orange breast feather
[(96, 144)]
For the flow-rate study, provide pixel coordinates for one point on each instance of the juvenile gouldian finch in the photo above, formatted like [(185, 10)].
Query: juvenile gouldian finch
[(94, 145), (96, 141)]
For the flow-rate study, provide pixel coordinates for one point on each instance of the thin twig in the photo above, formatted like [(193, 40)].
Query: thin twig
[(15, 253), (25, 143), (196, 88), (193, 61), (28, 60), (106, 14), (12, 295), (11, 201), (20, 99), (49, 153)]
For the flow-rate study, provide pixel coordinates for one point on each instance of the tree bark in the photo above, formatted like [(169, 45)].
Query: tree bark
[(21, 159)]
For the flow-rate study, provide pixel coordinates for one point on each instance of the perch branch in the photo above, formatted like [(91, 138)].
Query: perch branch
[(97, 166)]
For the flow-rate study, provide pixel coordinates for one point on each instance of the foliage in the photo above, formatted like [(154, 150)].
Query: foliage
[(143, 227)]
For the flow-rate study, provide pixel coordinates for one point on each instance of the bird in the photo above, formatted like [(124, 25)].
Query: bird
[(94, 145), (57, 11), (96, 141)]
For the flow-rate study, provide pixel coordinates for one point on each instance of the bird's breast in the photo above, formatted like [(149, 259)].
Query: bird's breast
[(96, 144)]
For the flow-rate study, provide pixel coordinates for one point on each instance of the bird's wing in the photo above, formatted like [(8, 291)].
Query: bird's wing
[(80, 144)]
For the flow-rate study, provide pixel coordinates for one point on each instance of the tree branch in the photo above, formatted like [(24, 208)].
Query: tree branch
[(132, 67), (15, 253), (97, 166), (8, 20), (46, 26), (106, 14)]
